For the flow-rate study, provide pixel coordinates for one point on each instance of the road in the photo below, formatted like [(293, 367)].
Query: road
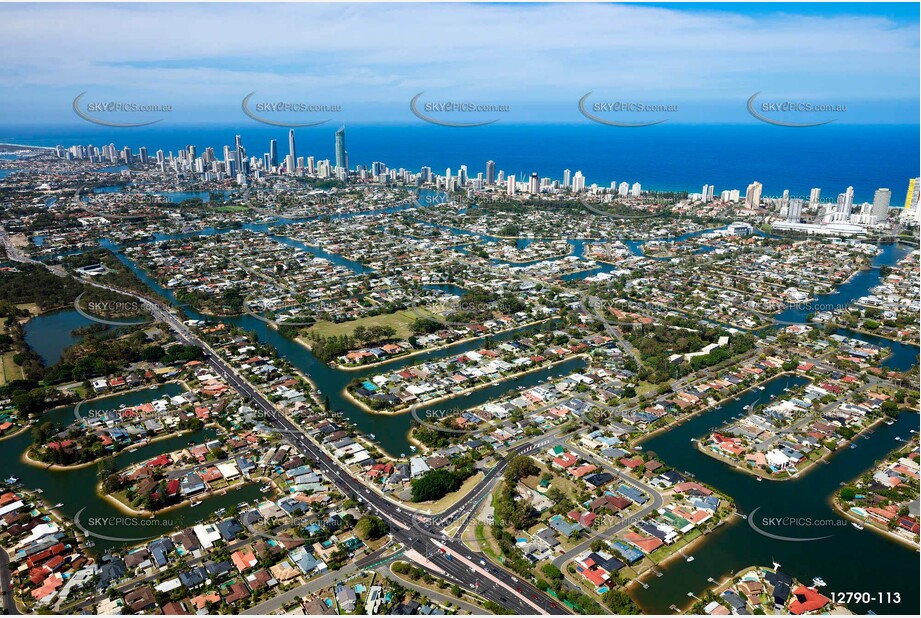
[(6, 587), (469, 573), (523, 598)]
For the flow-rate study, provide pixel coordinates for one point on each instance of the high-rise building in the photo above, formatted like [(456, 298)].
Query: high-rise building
[(510, 189), (814, 196), (881, 200), (706, 194), (846, 201), (490, 172), (578, 182), (534, 184), (273, 151), (342, 156), (794, 210), (636, 189), (292, 150), (566, 178), (911, 198), (462, 176), (753, 195), (142, 154), (623, 189)]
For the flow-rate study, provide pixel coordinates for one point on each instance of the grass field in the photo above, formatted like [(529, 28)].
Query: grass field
[(399, 321), (9, 370)]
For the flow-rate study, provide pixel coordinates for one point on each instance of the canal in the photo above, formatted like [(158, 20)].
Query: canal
[(75, 488), (849, 560), (731, 547)]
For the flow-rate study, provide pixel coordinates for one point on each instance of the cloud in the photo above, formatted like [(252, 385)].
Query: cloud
[(208, 56)]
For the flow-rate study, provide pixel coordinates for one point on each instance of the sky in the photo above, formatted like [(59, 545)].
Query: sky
[(370, 60)]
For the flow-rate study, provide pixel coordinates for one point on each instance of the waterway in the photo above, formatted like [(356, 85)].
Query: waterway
[(849, 560), (50, 334), (75, 489), (807, 497)]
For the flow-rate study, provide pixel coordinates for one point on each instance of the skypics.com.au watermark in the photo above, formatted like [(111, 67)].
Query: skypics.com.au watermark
[(108, 113), (789, 113), (127, 524), (616, 113), (282, 113), (454, 113), (770, 527), (110, 312)]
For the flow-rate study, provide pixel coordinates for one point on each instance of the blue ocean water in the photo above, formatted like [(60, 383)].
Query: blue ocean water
[(662, 157)]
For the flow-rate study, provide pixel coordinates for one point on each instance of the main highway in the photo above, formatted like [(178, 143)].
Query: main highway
[(425, 541)]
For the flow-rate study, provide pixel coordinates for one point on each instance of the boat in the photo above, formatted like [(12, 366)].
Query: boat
[(760, 388), (413, 448), (153, 388), (265, 489), (58, 505), (89, 543), (12, 480), (818, 582), (856, 525), (195, 503), (689, 559), (854, 445), (890, 422), (748, 407), (372, 436), (759, 479)]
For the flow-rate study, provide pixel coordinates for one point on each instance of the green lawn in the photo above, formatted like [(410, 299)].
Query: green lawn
[(399, 321)]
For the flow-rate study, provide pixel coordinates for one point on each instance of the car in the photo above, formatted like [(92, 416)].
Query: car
[(482, 562), (515, 579), (518, 589)]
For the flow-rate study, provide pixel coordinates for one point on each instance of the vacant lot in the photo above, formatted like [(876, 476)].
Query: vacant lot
[(399, 321)]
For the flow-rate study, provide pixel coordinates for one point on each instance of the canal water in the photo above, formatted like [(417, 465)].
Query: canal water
[(849, 560), (832, 559), (75, 489)]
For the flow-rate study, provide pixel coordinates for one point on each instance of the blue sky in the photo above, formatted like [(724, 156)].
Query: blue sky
[(371, 59)]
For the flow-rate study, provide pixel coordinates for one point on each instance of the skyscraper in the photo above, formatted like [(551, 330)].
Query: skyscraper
[(753, 195), (342, 157), (814, 196), (490, 172), (510, 189), (273, 151), (578, 182), (794, 210), (240, 156), (566, 178), (911, 198), (291, 149), (534, 184), (881, 200)]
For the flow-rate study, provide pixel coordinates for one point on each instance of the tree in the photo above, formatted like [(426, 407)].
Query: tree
[(847, 493), (371, 528), (434, 484), (519, 467)]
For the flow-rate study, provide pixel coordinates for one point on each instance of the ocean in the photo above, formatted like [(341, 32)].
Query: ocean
[(662, 157)]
